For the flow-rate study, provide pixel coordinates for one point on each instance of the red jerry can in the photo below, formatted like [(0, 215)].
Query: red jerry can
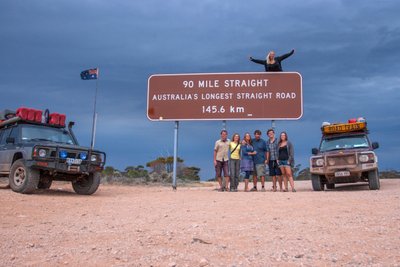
[(31, 114), (22, 113), (54, 118), (38, 115), (62, 119)]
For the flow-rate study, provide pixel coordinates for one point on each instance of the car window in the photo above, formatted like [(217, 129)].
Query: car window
[(36, 133), (347, 142)]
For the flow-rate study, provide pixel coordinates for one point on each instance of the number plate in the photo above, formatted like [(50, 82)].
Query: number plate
[(74, 161), (342, 174)]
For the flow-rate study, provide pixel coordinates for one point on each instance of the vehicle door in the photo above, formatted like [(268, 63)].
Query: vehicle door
[(7, 149)]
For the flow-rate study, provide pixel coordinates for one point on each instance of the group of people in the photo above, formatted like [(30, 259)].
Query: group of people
[(250, 156)]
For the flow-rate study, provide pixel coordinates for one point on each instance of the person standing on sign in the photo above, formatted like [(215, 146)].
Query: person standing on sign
[(221, 158), (286, 160), (246, 161), (260, 160), (234, 162), (272, 158), (272, 63)]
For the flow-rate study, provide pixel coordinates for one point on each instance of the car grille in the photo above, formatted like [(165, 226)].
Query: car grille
[(341, 160)]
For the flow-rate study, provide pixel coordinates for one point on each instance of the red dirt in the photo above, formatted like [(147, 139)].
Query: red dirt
[(197, 226)]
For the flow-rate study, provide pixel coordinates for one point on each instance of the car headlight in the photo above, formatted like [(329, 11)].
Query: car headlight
[(319, 162), (93, 158), (42, 153), (366, 158)]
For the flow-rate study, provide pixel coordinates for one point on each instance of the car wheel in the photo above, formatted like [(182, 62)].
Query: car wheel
[(317, 183), (373, 180), (87, 185), (23, 179), (45, 183)]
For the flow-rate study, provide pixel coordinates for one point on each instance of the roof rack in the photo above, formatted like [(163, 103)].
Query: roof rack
[(33, 116), (344, 127)]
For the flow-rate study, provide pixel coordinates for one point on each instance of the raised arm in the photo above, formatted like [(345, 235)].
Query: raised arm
[(285, 55), (258, 61)]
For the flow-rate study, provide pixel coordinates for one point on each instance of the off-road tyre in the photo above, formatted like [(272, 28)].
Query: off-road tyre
[(317, 183), (45, 183), (87, 185), (330, 186), (373, 180), (22, 178)]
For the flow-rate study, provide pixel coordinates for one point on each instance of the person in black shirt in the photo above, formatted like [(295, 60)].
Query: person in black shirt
[(272, 63), (286, 160)]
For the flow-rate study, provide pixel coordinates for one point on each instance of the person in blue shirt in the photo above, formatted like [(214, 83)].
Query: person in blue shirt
[(246, 159), (260, 159)]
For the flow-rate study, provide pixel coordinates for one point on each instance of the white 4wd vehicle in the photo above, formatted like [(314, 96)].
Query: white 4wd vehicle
[(345, 155)]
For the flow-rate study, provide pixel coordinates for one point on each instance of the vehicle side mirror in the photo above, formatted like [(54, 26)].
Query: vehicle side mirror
[(375, 145), (10, 140), (314, 151)]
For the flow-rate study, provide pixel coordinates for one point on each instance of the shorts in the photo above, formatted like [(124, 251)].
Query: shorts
[(259, 170), (222, 166), (283, 163), (274, 168)]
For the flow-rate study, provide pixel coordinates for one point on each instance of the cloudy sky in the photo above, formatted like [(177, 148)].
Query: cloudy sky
[(346, 51)]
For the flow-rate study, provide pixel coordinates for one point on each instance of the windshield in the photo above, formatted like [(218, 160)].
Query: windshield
[(40, 133), (348, 142)]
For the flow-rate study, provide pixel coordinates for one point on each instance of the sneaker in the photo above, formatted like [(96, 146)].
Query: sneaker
[(221, 190), (254, 189), (231, 190), (293, 190), (263, 189)]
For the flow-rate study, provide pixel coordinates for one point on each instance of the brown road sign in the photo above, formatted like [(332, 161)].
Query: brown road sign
[(225, 96)]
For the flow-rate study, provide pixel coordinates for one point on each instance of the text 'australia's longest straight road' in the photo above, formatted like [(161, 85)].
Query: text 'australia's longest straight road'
[(225, 96)]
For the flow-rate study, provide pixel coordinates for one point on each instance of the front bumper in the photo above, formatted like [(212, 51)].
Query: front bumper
[(63, 167), (343, 168)]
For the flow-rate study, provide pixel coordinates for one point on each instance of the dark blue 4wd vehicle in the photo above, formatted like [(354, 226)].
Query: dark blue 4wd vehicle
[(36, 150)]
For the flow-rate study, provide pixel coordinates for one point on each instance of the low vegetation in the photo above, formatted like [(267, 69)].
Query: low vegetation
[(160, 171)]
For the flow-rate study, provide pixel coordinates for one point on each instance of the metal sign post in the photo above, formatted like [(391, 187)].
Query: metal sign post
[(224, 125), (175, 154)]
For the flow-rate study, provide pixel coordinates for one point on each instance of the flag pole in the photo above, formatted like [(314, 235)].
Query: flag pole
[(94, 114)]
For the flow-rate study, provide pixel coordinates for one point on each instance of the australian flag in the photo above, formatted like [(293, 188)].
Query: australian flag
[(90, 74)]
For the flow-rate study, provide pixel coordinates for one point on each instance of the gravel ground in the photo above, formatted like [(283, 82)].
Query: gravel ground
[(198, 226)]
